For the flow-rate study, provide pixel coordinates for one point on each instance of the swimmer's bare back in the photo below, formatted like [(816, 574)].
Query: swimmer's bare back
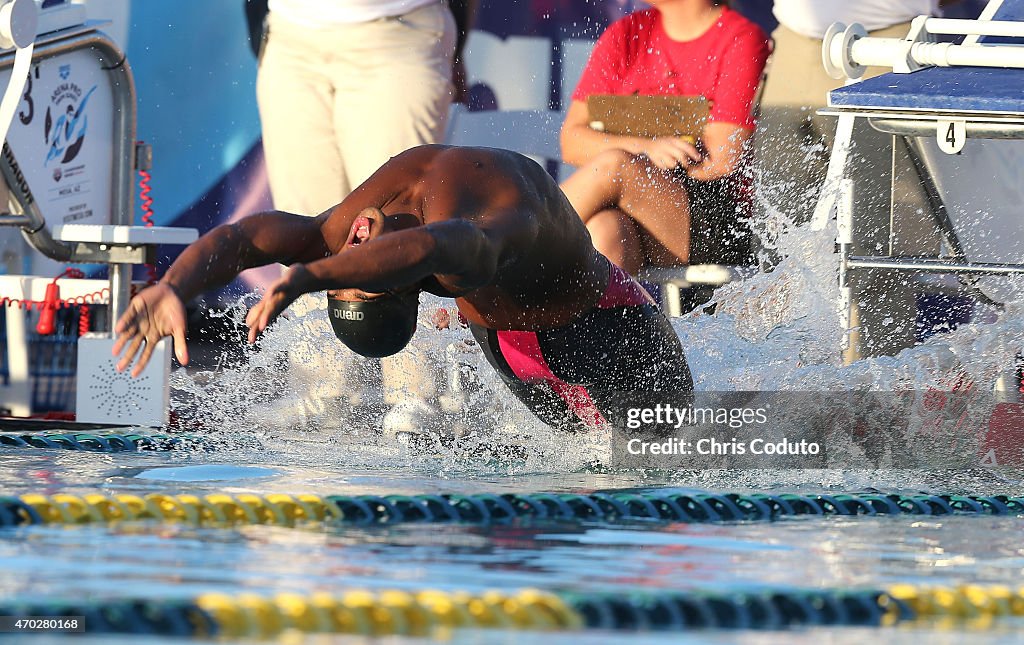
[(486, 226), (549, 273)]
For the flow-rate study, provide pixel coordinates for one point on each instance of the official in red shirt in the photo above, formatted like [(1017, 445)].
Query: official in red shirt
[(641, 198)]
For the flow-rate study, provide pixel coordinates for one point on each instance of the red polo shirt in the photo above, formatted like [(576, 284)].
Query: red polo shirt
[(724, 64)]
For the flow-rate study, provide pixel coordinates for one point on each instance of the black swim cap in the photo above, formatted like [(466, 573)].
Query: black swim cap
[(375, 328)]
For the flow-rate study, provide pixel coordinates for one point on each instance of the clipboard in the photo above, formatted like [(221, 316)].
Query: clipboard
[(649, 116)]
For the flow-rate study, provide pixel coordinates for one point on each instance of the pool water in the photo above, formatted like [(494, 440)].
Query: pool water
[(282, 421), (153, 561)]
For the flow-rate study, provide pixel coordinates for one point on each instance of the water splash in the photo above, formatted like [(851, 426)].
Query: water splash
[(306, 396), (301, 391)]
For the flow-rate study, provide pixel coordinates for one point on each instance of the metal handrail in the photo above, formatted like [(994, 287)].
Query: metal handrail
[(932, 265)]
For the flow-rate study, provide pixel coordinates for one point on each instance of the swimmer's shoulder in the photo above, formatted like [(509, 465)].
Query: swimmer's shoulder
[(418, 158), (493, 170), (492, 174), (442, 153), (442, 161), (459, 158)]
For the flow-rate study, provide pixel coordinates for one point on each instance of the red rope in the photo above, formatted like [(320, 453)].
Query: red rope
[(84, 300), (147, 201), (83, 319), (147, 216), (69, 272), (54, 303), (27, 305)]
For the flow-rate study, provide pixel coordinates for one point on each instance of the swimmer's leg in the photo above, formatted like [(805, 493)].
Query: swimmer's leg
[(626, 356), (638, 382), (628, 348), (541, 398), (546, 405)]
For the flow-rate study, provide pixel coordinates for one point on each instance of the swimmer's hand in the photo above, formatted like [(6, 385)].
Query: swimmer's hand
[(669, 153), (442, 318), (276, 299), (155, 313)]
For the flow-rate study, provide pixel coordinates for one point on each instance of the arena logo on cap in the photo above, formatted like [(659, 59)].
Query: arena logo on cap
[(347, 314)]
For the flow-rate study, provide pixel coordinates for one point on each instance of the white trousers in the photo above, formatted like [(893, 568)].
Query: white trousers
[(337, 103)]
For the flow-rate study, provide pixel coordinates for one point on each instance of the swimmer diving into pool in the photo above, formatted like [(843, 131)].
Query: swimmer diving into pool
[(561, 324)]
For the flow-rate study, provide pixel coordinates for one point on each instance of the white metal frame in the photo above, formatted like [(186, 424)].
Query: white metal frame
[(848, 50), (838, 197)]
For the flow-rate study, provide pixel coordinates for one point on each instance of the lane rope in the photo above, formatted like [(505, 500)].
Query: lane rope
[(98, 441), (225, 510), (391, 612)]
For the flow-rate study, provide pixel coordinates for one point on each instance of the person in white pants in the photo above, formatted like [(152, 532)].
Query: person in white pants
[(344, 85)]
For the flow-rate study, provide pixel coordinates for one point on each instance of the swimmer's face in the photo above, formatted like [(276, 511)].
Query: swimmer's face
[(370, 224)]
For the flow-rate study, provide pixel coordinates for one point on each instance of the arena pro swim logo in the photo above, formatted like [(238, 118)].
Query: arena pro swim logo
[(66, 134)]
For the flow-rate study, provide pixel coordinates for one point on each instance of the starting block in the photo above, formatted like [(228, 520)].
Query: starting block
[(939, 98), (70, 190)]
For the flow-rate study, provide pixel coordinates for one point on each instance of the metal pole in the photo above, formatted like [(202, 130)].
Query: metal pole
[(836, 171), (959, 27), (849, 312), (886, 52), (926, 265), (988, 13), (122, 202), (849, 320), (120, 291), (848, 50), (9, 219)]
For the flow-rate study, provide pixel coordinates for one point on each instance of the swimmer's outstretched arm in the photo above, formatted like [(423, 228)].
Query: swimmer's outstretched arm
[(468, 253), (211, 261), (258, 240), (219, 256)]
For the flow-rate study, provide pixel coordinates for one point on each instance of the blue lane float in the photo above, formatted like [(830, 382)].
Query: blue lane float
[(98, 441), (220, 509)]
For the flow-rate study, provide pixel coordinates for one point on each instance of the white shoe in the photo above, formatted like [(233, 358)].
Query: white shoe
[(410, 416)]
